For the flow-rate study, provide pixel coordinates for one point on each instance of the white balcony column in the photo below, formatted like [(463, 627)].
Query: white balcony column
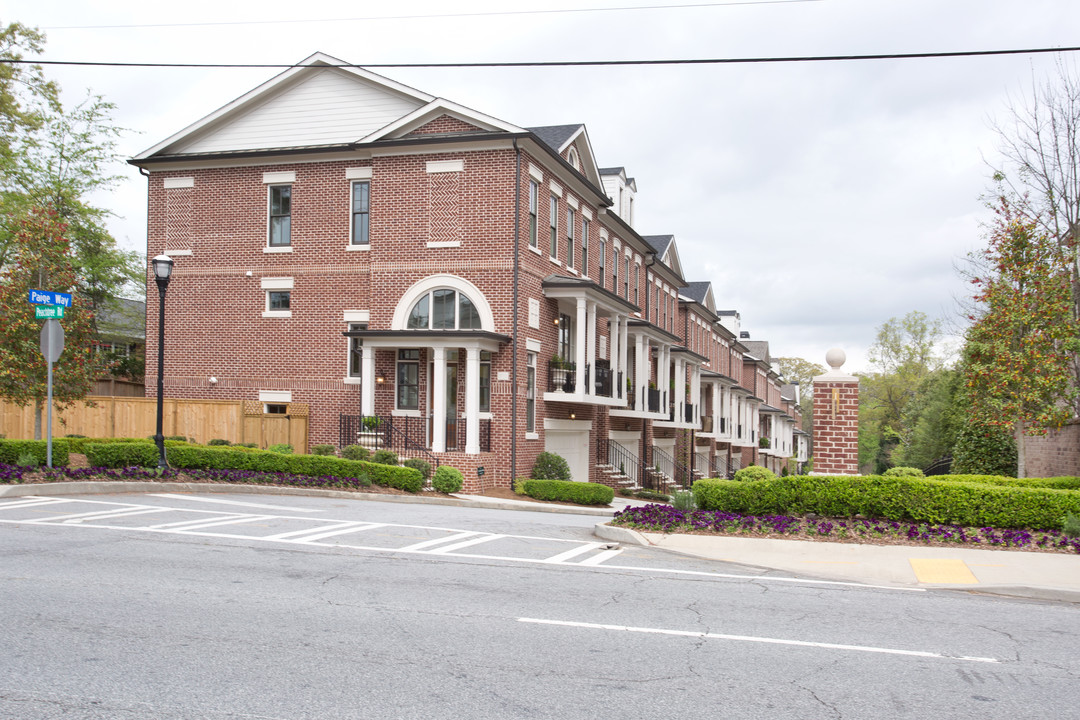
[(367, 384), (680, 389), (665, 378), (614, 362), (472, 401), (581, 324), (717, 400), (695, 392), (624, 342), (590, 347), (641, 372), (438, 401)]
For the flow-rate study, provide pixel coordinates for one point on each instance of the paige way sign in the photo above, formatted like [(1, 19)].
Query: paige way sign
[(47, 297)]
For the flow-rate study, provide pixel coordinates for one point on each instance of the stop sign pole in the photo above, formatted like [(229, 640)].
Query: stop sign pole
[(52, 344)]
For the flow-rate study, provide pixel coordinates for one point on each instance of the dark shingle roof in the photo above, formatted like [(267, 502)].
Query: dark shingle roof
[(759, 349), (659, 243), (612, 171), (555, 136), (697, 291)]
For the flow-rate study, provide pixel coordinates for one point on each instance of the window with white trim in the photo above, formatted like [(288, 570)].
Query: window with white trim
[(361, 200), (485, 381), (534, 201), (356, 351), (530, 392), (408, 380), (571, 221), (585, 246), (280, 220), (554, 217), (278, 300), (444, 309), (626, 278), (602, 260), (637, 274), (615, 270)]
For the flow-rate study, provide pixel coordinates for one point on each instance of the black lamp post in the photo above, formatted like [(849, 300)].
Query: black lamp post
[(163, 265)]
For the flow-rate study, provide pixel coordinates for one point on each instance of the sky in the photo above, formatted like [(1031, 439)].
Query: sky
[(820, 199)]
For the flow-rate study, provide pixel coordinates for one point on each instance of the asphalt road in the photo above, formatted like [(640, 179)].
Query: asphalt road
[(156, 606)]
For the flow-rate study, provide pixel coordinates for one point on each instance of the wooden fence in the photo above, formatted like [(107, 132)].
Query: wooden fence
[(238, 421)]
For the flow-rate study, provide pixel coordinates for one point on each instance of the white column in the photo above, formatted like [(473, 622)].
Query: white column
[(367, 383), (695, 391), (581, 324), (438, 401), (472, 401), (641, 372), (664, 383), (680, 389), (590, 347), (614, 343), (624, 342)]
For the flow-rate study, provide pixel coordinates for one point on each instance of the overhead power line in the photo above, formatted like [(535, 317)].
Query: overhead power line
[(434, 16), (563, 63)]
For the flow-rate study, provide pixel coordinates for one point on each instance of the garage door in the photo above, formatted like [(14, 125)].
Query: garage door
[(573, 446)]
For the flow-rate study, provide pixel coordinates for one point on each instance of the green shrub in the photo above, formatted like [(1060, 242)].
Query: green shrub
[(519, 486), (447, 479), (27, 459), (754, 472), (651, 495), (283, 448), (385, 457), (581, 493), (247, 445), (179, 438), (233, 458), (78, 444), (896, 498), (355, 452), (683, 500), (218, 441), (902, 471), (984, 450), (420, 464), (1071, 525), (12, 450), (322, 449), (550, 466), (121, 454)]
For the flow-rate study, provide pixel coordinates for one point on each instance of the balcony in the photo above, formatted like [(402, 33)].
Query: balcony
[(596, 385), (562, 376)]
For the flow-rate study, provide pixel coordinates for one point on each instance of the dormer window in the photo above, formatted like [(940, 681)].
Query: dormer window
[(574, 158), (444, 309)]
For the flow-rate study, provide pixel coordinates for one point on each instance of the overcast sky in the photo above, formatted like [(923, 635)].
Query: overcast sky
[(820, 199)]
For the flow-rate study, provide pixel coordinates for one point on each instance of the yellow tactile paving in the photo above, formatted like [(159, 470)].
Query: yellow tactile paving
[(947, 572)]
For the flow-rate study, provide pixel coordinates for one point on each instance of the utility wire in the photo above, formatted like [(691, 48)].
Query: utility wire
[(493, 13), (560, 63)]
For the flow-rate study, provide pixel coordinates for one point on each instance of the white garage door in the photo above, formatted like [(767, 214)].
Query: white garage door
[(573, 446)]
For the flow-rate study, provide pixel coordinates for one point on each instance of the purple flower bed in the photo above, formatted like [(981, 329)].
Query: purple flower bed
[(14, 474), (666, 519)]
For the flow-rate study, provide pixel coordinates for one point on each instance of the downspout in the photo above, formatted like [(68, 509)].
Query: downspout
[(514, 330)]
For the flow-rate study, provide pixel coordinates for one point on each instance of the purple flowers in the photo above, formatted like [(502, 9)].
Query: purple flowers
[(666, 519)]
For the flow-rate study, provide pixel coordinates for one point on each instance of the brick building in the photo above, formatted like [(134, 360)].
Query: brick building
[(454, 285)]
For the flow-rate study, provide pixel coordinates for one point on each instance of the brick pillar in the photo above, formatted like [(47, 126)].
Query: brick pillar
[(836, 419)]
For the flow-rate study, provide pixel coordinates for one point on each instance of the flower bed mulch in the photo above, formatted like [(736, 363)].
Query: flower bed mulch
[(668, 520)]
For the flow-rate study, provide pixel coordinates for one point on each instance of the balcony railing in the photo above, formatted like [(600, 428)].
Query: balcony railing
[(562, 376), (688, 411), (604, 377)]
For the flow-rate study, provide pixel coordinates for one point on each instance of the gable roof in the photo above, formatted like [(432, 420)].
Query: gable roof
[(560, 137), (664, 245), (759, 349), (700, 292)]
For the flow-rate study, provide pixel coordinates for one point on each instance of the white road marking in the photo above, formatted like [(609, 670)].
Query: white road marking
[(87, 515), (600, 557), (293, 534), (574, 552), (187, 524), (232, 502), (219, 522), (357, 528), (438, 541), (751, 638), (467, 543), (110, 514), (29, 501)]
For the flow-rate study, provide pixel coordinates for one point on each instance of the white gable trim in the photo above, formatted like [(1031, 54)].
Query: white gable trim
[(315, 62)]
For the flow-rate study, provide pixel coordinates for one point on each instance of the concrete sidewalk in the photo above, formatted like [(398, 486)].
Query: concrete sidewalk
[(1037, 575)]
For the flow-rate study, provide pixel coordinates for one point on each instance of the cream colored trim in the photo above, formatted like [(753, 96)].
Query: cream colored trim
[(277, 283), (275, 396), (536, 173), (173, 253), (284, 249), (279, 178), (556, 189), (357, 316), (178, 182), (441, 166), (444, 244), (358, 173)]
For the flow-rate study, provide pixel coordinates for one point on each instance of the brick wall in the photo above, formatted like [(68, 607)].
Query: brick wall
[(836, 427), (1055, 454)]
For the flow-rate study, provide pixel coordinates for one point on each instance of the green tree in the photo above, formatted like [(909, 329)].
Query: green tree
[(1017, 358), (932, 420), (802, 371), (41, 259)]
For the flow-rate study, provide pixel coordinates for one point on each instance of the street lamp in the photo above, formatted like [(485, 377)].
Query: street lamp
[(163, 265)]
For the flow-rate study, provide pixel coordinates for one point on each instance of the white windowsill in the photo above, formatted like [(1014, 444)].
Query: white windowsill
[(532, 436), (283, 249), (357, 248), (277, 313), (444, 244), (352, 381), (535, 250), (405, 413), (174, 253), (555, 261)]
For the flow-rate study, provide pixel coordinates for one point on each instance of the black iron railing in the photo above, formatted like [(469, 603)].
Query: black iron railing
[(604, 377), (941, 466), (403, 435), (654, 400), (688, 412), (609, 452), (669, 467)]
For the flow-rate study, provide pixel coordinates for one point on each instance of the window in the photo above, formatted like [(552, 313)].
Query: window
[(566, 338), (278, 300), (603, 259), (636, 275), (585, 246), (656, 305), (408, 380), (615, 270), (485, 381), (280, 215), (530, 392), (534, 201), (356, 351), (444, 309), (275, 408), (626, 278), (665, 311), (361, 198), (554, 215), (571, 220)]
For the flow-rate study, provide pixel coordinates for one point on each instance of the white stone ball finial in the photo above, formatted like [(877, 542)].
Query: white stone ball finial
[(836, 358)]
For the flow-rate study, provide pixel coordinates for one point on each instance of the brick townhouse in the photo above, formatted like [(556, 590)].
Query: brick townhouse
[(413, 272)]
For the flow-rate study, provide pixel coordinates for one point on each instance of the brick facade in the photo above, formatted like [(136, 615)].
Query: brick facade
[(836, 426)]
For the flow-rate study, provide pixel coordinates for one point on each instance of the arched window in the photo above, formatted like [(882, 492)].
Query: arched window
[(443, 309)]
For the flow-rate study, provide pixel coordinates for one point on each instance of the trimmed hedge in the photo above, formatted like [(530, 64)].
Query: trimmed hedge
[(10, 450), (121, 454), (448, 479), (582, 493), (1060, 483), (78, 445), (893, 498), (233, 458)]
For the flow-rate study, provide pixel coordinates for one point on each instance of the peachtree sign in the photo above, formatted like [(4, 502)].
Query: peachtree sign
[(45, 297)]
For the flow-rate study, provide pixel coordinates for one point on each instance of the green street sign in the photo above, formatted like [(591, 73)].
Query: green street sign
[(48, 312)]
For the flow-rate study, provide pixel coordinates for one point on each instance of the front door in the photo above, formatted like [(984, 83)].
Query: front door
[(451, 407)]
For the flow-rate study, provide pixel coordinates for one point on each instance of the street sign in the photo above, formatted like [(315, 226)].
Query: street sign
[(45, 312), (52, 340), (46, 297)]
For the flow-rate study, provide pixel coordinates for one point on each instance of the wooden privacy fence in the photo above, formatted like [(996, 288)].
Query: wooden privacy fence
[(238, 421)]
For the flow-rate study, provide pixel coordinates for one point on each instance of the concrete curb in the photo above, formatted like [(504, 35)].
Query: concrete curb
[(119, 486), (626, 536)]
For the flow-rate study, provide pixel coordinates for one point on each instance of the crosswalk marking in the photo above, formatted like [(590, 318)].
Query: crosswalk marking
[(29, 501), (439, 541), (219, 522), (573, 552), (344, 531), (467, 543), (601, 557)]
